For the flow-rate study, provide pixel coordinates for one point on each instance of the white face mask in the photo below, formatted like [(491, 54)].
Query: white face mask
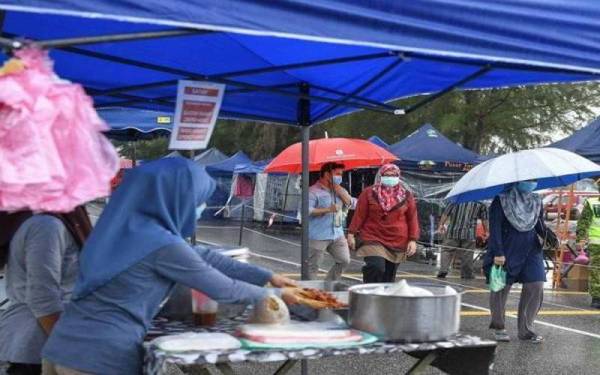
[(199, 211), (390, 180)]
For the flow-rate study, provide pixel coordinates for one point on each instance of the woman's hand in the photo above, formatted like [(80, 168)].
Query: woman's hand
[(290, 296), (411, 249), (351, 242), (499, 261), (279, 281)]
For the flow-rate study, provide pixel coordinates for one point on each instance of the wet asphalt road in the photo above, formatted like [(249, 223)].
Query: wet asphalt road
[(570, 328)]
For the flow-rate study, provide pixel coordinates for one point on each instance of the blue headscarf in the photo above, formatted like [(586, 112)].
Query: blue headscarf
[(154, 206)]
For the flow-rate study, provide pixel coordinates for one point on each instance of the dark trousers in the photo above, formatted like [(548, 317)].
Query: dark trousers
[(24, 369), (379, 270), (530, 302)]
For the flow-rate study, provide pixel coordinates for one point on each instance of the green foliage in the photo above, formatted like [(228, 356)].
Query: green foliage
[(486, 121), (143, 150)]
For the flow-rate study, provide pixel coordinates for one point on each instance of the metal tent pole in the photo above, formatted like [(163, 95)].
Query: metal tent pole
[(304, 121), (193, 239)]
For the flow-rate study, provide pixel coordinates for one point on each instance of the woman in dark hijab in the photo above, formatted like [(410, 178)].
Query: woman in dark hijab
[(40, 252), (516, 222)]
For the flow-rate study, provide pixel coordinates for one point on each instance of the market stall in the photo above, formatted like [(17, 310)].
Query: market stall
[(449, 356)]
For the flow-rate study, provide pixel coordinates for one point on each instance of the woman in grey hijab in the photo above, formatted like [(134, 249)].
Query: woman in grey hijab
[(516, 225)]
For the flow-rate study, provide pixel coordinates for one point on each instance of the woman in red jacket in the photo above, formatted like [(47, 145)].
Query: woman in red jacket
[(387, 226)]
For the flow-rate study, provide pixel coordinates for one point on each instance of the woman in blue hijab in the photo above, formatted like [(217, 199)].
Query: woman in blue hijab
[(133, 258), (516, 222)]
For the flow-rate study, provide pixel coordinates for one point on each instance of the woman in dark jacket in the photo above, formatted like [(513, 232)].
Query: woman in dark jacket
[(516, 221), (387, 224)]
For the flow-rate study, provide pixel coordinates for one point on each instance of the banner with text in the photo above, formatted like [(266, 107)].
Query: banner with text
[(196, 112)]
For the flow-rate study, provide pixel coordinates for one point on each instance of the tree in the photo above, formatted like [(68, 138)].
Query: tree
[(258, 140), (486, 121), (143, 150)]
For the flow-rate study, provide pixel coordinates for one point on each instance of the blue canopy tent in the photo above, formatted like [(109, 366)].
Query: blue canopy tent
[(132, 125), (303, 62), (378, 141), (228, 166), (210, 156), (254, 167), (223, 172), (585, 142), (428, 149)]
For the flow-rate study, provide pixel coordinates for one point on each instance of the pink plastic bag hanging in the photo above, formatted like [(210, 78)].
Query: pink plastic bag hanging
[(52, 150)]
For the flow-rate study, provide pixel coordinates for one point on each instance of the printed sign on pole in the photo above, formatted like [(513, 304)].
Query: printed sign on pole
[(196, 112)]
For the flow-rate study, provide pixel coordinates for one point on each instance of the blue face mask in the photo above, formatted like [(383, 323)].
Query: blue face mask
[(199, 211), (526, 186), (337, 180), (390, 181)]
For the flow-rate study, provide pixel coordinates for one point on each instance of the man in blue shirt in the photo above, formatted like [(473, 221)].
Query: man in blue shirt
[(327, 203)]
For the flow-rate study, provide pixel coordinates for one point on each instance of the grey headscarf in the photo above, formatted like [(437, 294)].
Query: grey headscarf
[(521, 209)]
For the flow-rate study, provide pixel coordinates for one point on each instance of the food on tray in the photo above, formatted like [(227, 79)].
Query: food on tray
[(449, 291), (318, 299), (294, 333), (197, 342), (271, 310), (403, 289)]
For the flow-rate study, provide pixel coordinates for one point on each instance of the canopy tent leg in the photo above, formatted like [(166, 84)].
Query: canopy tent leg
[(193, 239), (304, 121)]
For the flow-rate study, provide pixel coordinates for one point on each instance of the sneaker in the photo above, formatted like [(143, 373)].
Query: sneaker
[(501, 335), (595, 303), (535, 339), (442, 275)]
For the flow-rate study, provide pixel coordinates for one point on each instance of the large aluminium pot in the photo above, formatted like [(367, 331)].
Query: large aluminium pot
[(405, 319)]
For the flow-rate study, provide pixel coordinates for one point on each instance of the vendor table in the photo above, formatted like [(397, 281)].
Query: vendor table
[(462, 354)]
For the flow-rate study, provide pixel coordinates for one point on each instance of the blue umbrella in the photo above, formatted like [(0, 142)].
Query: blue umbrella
[(550, 167)]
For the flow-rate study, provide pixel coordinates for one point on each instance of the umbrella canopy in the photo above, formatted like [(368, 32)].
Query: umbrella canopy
[(584, 142), (353, 153), (128, 124), (550, 167)]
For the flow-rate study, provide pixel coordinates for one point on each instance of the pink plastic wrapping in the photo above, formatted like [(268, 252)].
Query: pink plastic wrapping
[(53, 155)]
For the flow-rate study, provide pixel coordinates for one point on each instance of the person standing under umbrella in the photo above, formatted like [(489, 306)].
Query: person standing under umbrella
[(327, 200), (516, 221), (460, 237), (588, 228), (387, 225)]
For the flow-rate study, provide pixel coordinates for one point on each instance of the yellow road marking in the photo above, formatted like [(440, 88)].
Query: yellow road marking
[(409, 275), (542, 312), (556, 292)]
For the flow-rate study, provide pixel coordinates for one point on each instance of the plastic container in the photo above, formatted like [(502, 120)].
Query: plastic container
[(204, 309)]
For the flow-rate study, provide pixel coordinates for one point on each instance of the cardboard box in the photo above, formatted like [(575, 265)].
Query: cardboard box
[(577, 279)]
